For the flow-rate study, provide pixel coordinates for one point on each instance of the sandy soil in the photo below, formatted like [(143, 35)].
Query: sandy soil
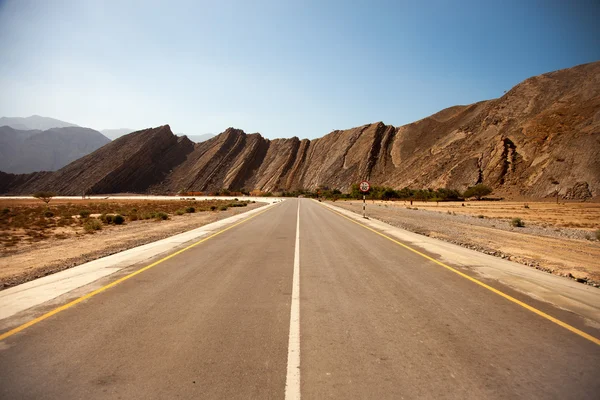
[(556, 238), (51, 255)]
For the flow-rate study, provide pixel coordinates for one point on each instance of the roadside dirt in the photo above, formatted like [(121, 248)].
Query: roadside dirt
[(55, 253), (559, 239)]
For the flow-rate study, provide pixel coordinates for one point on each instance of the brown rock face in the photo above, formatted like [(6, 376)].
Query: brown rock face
[(129, 164), (542, 136)]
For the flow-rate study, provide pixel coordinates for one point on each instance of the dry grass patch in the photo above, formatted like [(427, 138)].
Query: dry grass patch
[(30, 221)]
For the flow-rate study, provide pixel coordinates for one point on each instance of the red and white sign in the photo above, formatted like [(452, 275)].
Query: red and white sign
[(364, 186)]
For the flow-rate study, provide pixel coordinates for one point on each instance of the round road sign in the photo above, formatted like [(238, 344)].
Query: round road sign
[(364, 186)]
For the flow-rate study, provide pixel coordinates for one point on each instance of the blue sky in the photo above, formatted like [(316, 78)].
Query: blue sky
[(282, 68)]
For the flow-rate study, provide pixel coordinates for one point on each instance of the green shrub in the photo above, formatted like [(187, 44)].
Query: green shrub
[(517, 222), (213, 208), (118, 219), (150, 215), (5, 210), (84, 213), (190, 210), (44, 196), (180, 212), (161, 216), (92, 225), (223, 208), (107, 219), (133, 217), (48, 214), (478, 191)]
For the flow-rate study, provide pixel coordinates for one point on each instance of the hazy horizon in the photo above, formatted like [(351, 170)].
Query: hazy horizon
[(281, 69)]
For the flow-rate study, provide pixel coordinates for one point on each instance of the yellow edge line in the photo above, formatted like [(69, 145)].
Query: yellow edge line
[(103, 288), (488, 287)]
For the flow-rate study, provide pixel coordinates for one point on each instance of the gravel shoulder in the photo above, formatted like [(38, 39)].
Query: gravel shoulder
[(49, 256), (561, 251)]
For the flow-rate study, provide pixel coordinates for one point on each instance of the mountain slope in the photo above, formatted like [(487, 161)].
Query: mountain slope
[(128, 164), (113, 134), (34, 150), (541, 136), (200, 138), (35, 122)]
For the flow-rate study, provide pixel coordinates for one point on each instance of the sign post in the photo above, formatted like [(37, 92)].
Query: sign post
[(364, 187)]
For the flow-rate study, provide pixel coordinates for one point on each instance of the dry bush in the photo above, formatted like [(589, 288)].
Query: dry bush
[(92, 225)]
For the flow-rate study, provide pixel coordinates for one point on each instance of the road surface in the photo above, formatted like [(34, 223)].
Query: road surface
[(299, 285)]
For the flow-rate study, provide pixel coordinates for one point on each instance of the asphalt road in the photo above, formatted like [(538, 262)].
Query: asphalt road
[(375, 321)]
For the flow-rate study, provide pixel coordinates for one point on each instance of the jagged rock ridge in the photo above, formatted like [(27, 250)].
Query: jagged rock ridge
[(541, 136)]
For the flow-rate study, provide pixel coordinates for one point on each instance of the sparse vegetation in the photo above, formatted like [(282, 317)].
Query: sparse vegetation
[(597, 233), (180, 212), (92, 225), (161, 216), (223, 208), (44, 196), (481, 216), (29, 221), (85, 213), (517, 223)]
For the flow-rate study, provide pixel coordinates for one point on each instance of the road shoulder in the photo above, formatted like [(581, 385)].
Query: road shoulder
[(34, 293), (566, 294)]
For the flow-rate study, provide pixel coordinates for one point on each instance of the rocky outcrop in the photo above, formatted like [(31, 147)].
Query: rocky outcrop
[(541, 137), (131, 163)]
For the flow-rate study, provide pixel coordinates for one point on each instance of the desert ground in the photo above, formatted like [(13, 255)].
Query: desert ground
[(38, 239), (558, 238)]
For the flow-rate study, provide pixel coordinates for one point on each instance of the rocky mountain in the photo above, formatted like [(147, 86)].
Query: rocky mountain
[(200, 138), (540, 137), (130, 163), (35, 122), (49, 150), (113, 134)]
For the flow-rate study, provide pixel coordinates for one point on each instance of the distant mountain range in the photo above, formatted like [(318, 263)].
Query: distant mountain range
[(35, 122), (541, 137), (38, 143), (25, 151)]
